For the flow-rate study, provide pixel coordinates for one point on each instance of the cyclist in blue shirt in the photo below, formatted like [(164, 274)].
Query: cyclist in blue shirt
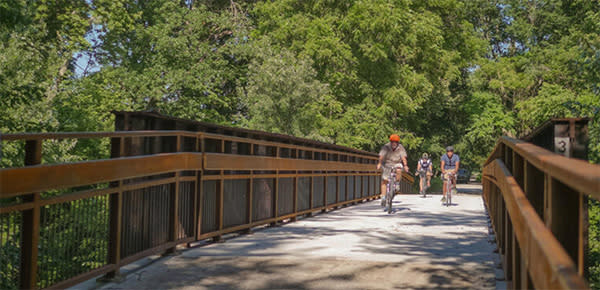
[(449, 166)]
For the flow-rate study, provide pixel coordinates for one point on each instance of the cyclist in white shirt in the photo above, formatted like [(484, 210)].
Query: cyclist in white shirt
[(425, 165)]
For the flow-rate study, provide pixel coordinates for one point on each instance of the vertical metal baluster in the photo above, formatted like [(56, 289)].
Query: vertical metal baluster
[(31, 223)]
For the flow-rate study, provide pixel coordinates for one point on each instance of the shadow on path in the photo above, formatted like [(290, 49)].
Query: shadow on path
[(420, 246)]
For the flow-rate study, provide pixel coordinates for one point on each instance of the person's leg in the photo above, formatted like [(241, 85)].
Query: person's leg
[(429, 174), (454, 181), (383, 191), (444, 187), (383, 188)]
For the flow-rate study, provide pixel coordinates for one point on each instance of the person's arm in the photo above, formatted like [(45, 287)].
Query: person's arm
[(442, 167), (418, 166), (403, 154), (380, 161)]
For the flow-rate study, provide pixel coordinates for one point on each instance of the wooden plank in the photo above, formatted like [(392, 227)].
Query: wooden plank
[(45, 177), (105, 191), (166, 133), (17, 207), (578, 174), (83, 277), (287, 175), (152, 251), (548, 263), (216, 161), (89, 135), (355, 153)]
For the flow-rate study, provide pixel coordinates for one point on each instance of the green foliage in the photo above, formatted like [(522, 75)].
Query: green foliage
[(81, 227), (390, 64), (9, 251), (489, 119), (283, 96), (181, 61), (438, 73)]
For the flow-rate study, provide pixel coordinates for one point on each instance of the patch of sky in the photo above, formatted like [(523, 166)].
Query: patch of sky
[(86, 62)]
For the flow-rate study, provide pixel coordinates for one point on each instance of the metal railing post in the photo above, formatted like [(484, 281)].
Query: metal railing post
[(174, 206), (115, 205), (31, 223), (250, 190), (200, 194), (275, 204), (508, 246), (564, 217)]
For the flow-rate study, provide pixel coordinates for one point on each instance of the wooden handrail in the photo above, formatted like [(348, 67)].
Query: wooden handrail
[(83, 135), (578, 174), (537, 202), (174, 133), (182, 196), (40, 178), (547, 261)]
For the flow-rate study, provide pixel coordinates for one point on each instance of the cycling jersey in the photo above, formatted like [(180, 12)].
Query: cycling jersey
[(391, 156), (425, 163), (450, 162)]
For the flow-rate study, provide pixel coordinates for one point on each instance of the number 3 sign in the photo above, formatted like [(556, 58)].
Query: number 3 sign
[(562, 145)]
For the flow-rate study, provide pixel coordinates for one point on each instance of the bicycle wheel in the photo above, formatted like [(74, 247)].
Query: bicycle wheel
[(423, 184), (448, 191), (390, 196)]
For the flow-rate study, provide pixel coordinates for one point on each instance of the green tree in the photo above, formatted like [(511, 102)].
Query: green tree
[(283, 96)]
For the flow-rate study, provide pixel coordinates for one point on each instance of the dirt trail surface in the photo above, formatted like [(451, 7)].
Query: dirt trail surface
[(422, 245)]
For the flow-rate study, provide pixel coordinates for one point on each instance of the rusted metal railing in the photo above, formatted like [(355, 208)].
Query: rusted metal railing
[(537, 202), (191, 186)]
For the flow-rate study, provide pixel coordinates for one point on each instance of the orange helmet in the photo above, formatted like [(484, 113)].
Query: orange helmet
[(394, 138)]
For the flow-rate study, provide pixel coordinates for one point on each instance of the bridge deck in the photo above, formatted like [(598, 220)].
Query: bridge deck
[(420, 245)]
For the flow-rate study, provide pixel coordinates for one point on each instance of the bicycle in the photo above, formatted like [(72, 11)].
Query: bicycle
[(423, 182), (390, 190), (449, 188)]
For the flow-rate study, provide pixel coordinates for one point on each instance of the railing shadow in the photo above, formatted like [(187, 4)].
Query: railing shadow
[(303, 255)]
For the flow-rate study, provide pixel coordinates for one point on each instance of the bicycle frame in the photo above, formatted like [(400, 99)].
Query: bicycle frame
[(449, 183), (391, 189), (422, 181)]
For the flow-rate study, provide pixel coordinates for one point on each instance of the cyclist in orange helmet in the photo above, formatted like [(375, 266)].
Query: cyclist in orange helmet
[(391, 155)]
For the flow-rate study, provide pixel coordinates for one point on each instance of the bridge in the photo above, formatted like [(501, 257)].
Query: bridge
[(172, 182)]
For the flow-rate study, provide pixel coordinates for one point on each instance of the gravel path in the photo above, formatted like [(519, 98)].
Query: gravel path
[(422, 245)]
